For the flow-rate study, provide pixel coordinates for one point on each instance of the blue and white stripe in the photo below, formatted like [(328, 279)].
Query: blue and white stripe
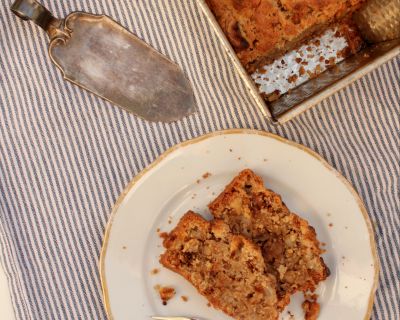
[(65, 155)]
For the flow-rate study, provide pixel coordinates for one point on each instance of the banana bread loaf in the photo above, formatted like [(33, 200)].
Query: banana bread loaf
[(262, 30), (227, 269)]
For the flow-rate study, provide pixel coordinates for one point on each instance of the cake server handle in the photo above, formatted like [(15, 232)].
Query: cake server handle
[(32, 10), (40, 15)]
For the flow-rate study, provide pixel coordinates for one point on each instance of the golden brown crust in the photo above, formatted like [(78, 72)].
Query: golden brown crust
[(227, 269), (261, 30), (290, 247)]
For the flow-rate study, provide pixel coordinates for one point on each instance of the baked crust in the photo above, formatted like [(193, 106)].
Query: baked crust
[(262, 30), (227, 269), (289, 244)]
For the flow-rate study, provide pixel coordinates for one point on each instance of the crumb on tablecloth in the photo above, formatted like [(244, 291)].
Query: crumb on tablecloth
[(184, 298)]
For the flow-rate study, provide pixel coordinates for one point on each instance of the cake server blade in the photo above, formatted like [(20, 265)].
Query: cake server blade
[(99, 55)]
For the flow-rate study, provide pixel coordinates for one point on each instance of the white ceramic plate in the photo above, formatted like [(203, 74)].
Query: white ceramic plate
[(161, 194), (7, 312)]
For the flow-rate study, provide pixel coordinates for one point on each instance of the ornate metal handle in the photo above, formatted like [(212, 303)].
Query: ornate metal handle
[(33, 10)]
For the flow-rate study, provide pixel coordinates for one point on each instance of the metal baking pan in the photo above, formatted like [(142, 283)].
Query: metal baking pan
[(315, 90)]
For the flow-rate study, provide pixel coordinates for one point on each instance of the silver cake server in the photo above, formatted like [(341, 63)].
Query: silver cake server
[(99, 55)]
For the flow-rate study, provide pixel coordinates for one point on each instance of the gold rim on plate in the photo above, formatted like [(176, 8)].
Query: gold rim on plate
[(360, 203)]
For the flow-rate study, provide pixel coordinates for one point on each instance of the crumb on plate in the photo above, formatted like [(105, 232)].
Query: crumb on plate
[(154, 271), (291, 315), (206, 175), (166, 294)]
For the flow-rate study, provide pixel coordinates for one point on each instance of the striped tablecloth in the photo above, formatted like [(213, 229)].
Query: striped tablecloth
[(65, 155)]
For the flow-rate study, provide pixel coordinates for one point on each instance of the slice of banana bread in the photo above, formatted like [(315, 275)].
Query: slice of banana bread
[(289, 244), (227, 269)]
